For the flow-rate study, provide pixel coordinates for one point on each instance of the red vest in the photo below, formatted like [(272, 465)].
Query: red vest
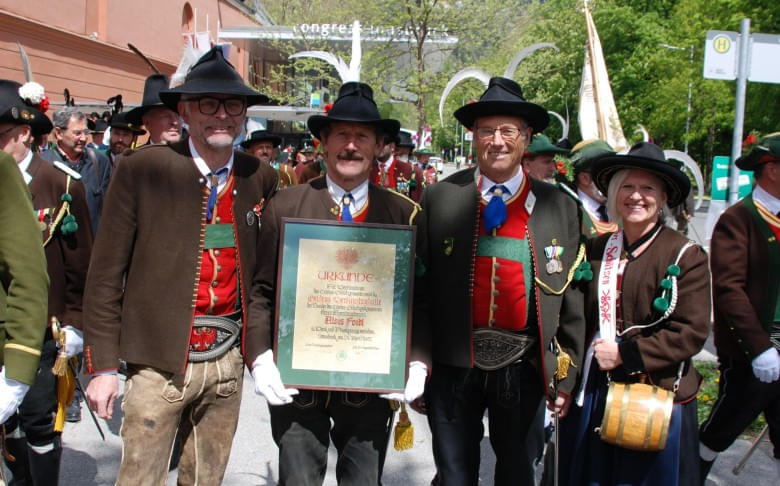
[(500, 298), (217, 284)]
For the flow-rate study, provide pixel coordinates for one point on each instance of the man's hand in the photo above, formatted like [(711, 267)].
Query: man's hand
[(561, 405), (607, 354), (766, 366), (101, 393), (12, 393), (268, 382), (74, 343), (415, 385)]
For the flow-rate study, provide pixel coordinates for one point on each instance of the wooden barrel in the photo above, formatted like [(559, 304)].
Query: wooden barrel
[(636, 416)]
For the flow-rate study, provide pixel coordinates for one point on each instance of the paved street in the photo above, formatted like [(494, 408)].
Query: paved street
[(89, 461)]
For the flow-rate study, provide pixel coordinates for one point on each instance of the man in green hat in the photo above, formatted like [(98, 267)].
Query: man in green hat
[(595, 219), (430, 175), (745, 258), (539, 158)]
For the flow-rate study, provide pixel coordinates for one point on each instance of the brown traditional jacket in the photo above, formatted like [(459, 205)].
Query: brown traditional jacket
[(142, 282), (312, 201), (67, 256), (658, 350), (741, 273)]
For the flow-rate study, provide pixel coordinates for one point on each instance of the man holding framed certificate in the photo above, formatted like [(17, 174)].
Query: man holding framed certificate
[(340, 294)]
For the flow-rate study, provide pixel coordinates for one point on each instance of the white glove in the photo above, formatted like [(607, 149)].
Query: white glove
[(268, 382), (766, 366), (11, 395), (415, 385), (74, 342)]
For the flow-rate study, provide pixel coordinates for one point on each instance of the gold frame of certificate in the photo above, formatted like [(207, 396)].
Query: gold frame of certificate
[(344, 305)]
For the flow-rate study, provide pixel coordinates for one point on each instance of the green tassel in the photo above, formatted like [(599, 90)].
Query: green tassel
[(660, 305), (69, 225), (666, 284), (673, 270), (587, 275), (577, 275), (66, 197)]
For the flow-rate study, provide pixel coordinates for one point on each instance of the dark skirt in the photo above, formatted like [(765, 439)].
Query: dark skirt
[(587, 460)]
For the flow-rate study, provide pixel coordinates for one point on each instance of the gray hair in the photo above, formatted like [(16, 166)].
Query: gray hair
[(615, 182), (63, 116)]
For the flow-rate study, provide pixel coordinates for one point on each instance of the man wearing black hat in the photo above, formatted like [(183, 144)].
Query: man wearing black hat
[(262, 144), (160, 120), (403, 146), (503, 248), (60, 206), (97, 130), (358, 423), (123, 136), (745, 281), (310, 167), (70, 129), (166, 285), (395, 174)]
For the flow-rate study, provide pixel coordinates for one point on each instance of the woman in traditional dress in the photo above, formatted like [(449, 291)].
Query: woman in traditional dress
[(648, 313)]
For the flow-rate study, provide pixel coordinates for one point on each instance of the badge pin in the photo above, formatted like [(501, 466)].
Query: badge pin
[(553, 254), (334, 210), (250, 218)]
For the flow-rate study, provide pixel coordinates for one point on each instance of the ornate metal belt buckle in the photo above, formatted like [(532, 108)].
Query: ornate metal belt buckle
[(497, 348)]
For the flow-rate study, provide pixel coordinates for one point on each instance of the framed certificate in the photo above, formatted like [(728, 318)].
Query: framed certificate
[(344, 300)]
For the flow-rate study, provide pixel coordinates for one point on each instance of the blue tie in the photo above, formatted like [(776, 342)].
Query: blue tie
[(346, 200), (213, 194), (495, 211)]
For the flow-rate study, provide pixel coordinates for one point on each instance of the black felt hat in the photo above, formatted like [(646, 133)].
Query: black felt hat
[(212, 74), (355, 103), (261, 135), (97, 126), (403, 139), (646, 156), (119, 120), (151, 98), (13, 109), (503, 97)]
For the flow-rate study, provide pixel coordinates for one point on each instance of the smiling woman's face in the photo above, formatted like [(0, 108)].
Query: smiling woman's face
[(640, 198)]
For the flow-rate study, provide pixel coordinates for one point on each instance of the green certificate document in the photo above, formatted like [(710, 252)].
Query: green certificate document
[(344, 305)]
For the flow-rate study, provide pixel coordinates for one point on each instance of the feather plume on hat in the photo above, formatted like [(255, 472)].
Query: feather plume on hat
[(189, 57)]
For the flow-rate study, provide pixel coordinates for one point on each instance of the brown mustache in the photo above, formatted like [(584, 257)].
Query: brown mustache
[(351, 155)]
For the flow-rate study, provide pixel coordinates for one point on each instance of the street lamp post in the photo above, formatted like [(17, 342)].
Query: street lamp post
[(690, 86)]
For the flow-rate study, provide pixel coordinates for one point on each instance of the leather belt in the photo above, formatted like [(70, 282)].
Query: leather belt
[(496, 348), (213, 336)]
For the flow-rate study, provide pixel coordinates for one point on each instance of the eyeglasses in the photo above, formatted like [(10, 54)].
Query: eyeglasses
[(507, 133), (209, 105), (79, 133)]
